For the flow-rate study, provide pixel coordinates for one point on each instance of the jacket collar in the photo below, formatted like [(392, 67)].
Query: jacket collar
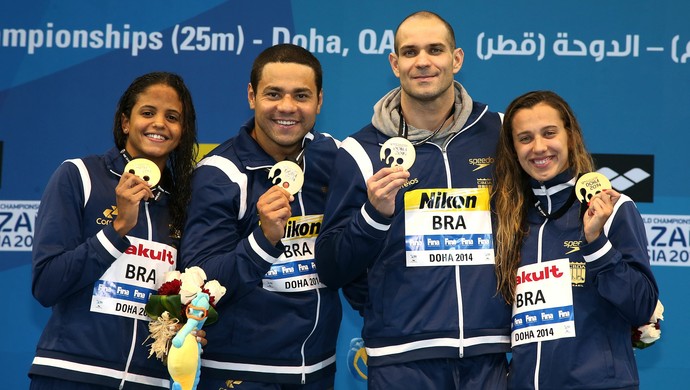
[(250, 153), (561, 182)]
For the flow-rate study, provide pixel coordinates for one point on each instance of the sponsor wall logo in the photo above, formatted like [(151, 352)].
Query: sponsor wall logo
[(357, 360), (204, 149), (0, 164), (668, 239), (631, 174), (17, 221)]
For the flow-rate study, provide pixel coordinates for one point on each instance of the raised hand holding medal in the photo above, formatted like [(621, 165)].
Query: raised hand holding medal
[(130, 192), (274, 206), (598, 199)]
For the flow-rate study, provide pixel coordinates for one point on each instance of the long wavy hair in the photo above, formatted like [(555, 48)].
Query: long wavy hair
[(511, 191), (182, 159)]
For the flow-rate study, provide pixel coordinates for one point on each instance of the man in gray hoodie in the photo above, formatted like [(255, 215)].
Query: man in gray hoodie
[(407, 227)]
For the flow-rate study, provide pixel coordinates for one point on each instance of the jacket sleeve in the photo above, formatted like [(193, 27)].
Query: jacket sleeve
[(620, 264), (353, 231), (212, 238), (63, 260), (356, 293)]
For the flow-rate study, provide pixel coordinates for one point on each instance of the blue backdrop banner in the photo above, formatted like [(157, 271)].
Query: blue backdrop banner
[(624, 66)]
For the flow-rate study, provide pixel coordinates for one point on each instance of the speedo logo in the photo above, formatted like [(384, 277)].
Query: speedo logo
[(574, 246), (231, 383), (481, 162), (109, 214)]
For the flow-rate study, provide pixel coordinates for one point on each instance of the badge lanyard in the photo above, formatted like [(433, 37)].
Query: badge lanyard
[(558, 213), (403, 130)]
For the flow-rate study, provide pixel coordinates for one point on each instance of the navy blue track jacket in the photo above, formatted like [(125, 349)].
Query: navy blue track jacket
[(74, 245), (261, 335), (618, 292), (412, 313)]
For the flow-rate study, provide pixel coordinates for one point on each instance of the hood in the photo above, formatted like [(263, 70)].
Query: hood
[(387, 119)]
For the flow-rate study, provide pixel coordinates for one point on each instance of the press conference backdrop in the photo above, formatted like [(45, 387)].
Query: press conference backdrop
[(623, 65)]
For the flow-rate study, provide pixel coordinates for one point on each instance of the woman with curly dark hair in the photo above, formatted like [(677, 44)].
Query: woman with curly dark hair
[(107, 230)]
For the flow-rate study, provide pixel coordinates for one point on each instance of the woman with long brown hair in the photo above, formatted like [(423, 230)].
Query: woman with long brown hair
[(577, 274)]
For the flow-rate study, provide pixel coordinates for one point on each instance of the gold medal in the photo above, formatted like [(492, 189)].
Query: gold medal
[(398, 151), (288, 175), (147, 170), (589, 185)]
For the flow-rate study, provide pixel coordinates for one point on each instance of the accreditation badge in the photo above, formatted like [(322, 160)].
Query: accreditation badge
[(126, 286), (295, 270), (543, 307), (448, 226)]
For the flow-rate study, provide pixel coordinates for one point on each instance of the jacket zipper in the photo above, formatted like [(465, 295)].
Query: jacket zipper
[(136, 322), (458, 290), (537, 367), (318, 307)]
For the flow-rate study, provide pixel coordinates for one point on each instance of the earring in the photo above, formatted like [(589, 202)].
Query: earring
[(126, 131)]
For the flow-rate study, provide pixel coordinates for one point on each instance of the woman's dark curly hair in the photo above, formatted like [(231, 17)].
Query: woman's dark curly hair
[(181, 160)]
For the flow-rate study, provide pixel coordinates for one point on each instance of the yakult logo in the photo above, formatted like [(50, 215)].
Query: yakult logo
[(535, 276), (153, 254)]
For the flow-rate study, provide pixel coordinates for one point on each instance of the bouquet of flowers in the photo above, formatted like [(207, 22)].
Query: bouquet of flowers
[(646, 335), (170, 306)]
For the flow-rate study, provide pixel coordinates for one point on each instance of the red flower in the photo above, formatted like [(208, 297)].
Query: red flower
[(170, 288), (169, 296), (636, 334), (212, 299)]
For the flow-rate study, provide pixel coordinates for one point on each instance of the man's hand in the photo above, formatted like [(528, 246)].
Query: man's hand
[(274, 212), (383, 186)]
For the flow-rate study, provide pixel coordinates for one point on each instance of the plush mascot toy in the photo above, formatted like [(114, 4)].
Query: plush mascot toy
[(184, 357)]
